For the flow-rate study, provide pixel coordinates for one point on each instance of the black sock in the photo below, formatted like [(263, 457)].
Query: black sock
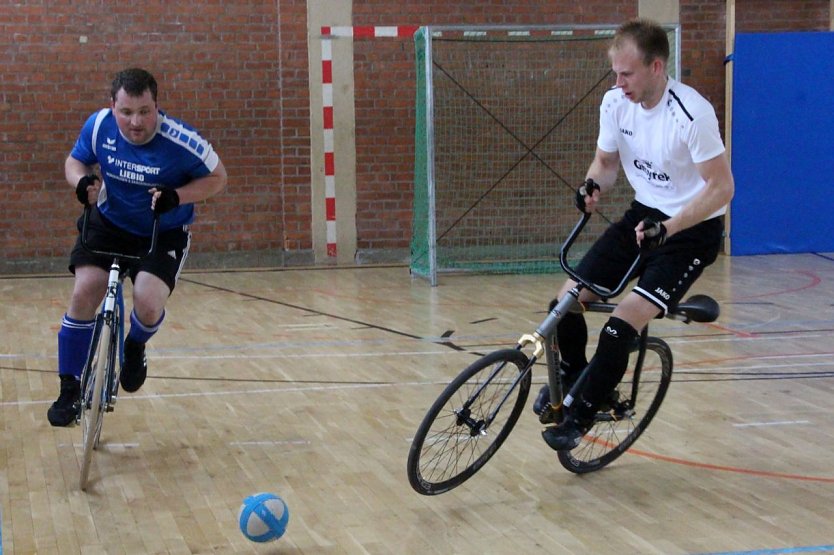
[(608, 365), (572, 335)]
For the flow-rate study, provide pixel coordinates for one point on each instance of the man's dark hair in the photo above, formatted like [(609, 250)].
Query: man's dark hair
[(650, 38), (135, 82)]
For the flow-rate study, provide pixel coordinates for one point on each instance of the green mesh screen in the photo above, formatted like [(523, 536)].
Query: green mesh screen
[(506, 126)]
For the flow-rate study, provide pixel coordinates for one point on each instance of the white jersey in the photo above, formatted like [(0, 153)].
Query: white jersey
[(659, 147)]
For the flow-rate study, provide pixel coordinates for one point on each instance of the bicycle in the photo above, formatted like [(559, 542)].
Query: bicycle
[(476, 412), (100, 377)]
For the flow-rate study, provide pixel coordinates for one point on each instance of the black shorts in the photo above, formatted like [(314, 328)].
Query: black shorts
[(664, 274), (166, 262)]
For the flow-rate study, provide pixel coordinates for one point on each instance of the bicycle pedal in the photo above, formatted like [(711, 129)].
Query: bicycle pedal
[(623, 411), (551, 414)]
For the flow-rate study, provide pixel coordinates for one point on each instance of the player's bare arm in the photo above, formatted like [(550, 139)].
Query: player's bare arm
[(718, 192), (603, 170), (74, 170), (199, 189)]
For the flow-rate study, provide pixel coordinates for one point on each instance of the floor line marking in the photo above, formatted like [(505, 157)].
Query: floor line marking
[(270, 443), (296, 389), (778, 551), (777, 423), (733, 469), (103, 446)]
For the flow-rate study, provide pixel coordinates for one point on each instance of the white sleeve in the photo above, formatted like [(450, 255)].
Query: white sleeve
[(608, 130), (703, 138)]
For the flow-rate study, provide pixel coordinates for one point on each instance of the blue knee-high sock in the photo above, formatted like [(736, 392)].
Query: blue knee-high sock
[(139, 332), (73, 345)]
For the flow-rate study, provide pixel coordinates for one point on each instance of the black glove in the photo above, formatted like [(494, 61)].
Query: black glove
[(81, 188), (654, 234), (168, 200), (586, 189)]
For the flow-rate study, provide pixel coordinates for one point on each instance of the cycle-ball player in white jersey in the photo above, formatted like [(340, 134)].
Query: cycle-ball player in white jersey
[(665, 135), (147, 162)]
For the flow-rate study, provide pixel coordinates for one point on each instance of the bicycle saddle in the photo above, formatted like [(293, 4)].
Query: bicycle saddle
[(698, 308)]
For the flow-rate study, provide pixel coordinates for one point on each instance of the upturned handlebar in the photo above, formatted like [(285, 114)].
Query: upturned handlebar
[(565, 304), (120, 255), (599, 290)]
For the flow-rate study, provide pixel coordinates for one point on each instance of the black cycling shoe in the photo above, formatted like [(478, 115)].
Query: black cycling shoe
[(567, 435), (548, 413), (135, 369), (65, 408), (542, 400)]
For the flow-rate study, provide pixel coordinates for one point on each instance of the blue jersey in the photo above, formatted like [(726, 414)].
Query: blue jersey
[(175, 155)]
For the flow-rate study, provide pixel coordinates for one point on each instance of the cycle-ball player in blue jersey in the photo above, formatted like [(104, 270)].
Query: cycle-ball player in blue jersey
[(665, 135), (147, 162)]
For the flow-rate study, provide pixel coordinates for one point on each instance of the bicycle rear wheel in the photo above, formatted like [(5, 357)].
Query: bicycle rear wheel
[(641, 393), (469, 421), (100, 360)]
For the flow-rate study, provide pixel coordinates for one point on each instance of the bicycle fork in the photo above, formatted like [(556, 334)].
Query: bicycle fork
[(479, 427)]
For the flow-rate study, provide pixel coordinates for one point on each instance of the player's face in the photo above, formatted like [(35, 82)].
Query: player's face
[(136, 116), (639, 82)]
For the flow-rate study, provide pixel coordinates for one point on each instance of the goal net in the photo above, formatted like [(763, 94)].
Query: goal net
[(506, 126)]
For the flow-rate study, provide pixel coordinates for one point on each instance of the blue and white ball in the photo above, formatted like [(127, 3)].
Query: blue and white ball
[(263, 517)]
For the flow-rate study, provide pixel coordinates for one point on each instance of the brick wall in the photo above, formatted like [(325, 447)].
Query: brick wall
[(763, 16), (220, 67), (238, 72)]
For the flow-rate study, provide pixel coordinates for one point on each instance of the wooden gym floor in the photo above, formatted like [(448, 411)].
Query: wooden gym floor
[(310, 383)]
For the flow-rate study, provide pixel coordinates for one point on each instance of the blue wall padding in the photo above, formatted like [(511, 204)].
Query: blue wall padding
[(783, 143)]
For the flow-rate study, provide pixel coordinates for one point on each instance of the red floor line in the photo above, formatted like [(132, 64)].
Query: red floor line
[(737, 470), (815, 280), (731, 331)]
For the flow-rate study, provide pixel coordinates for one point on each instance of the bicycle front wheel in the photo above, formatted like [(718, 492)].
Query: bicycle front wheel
[(626, 416), (469, 421), (93, 402)]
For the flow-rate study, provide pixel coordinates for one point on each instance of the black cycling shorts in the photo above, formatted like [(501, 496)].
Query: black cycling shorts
[(166, 263), (664, 274)]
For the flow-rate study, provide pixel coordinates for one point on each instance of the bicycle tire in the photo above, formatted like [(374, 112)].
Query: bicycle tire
[(446, 451), (93, 402), (646, 384)]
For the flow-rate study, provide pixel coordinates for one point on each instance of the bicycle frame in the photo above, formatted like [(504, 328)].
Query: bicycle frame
[(113, 300), (113, 296), (545, 332)]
